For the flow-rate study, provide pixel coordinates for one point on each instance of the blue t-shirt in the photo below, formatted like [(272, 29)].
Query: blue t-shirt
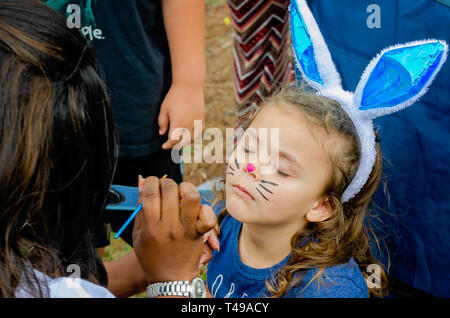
[(228, 277)]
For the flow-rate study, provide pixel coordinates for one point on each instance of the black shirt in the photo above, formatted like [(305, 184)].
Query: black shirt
[(131, 46)]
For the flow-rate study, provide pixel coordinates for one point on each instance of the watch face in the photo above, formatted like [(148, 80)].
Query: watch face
[(199, 289)]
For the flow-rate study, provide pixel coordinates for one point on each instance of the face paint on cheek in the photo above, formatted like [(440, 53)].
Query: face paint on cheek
[(266, 191), (230, 172), (236, 162), (271, 183), (262, 194)]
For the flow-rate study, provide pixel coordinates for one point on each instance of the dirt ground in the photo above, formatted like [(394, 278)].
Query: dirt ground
[(219, 89)]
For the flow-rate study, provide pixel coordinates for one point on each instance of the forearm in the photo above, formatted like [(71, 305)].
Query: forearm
[(125, 276), (184, 21)]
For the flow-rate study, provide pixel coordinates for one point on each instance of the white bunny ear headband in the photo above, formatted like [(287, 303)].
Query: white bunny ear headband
[(392, 81)]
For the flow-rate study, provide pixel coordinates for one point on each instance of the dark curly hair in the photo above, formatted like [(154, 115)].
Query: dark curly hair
[(58, 147)]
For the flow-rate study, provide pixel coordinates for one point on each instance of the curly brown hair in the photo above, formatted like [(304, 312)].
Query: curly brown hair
[(346, 233)]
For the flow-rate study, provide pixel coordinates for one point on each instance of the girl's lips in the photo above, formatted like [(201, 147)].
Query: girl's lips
[(241, 191)]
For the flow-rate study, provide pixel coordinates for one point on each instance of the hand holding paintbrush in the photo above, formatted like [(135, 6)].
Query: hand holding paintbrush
[(168, 232)]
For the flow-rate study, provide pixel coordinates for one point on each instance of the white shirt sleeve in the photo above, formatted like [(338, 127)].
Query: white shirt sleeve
[(67, 287)]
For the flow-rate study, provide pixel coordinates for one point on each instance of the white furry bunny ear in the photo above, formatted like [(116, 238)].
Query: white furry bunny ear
[(398, 76), (312, 57), (394, 79)]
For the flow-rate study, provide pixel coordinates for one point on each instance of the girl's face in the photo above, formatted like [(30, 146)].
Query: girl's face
[(256, 195)]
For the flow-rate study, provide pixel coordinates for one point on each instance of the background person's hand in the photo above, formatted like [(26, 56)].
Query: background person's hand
[(167, 236), (182, 105)]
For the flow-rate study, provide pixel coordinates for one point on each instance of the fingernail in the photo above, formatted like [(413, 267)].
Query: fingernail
[(140, 178)]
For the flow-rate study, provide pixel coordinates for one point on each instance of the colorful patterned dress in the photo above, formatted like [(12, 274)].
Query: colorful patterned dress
[(262, 58)]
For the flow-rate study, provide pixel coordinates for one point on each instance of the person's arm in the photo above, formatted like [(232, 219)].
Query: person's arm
[(184, 21), (125, 276)]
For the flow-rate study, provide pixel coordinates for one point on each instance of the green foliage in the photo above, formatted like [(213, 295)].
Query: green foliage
[(116, 249)]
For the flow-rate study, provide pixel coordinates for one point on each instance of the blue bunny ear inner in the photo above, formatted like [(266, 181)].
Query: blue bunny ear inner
[(313, 59), (303, 48), (401, 75)]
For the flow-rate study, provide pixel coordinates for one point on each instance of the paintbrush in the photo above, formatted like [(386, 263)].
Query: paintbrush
[(132, 216)]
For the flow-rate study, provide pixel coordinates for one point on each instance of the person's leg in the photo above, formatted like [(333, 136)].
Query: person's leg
[(128, 169), (261, 51)]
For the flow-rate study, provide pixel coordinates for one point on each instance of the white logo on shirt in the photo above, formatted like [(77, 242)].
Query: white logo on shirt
[(74, 21), (218, 281)]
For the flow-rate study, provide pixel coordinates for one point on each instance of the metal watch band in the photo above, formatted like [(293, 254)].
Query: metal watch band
[(176, 288), (195, 289)]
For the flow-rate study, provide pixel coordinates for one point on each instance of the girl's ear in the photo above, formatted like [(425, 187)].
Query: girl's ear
[(321, 212)]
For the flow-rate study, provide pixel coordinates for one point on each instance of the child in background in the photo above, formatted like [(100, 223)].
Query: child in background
[(300, 231), (152, 54)]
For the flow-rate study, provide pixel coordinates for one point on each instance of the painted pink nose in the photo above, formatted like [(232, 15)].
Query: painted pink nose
[(250, 167)]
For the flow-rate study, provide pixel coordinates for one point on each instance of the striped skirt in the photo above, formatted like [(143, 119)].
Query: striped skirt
[(262, 58)]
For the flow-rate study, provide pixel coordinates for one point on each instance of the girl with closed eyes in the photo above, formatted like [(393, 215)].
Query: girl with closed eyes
[(286, 233)]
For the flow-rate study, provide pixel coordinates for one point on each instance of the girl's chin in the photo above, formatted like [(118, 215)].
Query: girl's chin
[(237, 208)]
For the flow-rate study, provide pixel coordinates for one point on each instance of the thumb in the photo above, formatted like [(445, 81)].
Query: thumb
[(163, 120)]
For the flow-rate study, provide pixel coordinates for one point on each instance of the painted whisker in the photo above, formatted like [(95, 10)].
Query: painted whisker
[(262, 194), (236, 162), (230, 173), (272, 183), (230, 167), (265, 188)]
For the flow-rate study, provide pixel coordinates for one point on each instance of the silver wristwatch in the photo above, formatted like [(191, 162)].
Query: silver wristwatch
[(194, 289)]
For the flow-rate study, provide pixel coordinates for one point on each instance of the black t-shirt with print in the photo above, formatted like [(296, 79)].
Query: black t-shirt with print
[(131, 46)]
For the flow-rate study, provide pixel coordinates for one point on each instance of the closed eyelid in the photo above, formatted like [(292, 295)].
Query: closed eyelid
[(290, 159), (252, 133)]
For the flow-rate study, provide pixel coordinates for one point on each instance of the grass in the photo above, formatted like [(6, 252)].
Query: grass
[(215, 2), (116, 249)]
